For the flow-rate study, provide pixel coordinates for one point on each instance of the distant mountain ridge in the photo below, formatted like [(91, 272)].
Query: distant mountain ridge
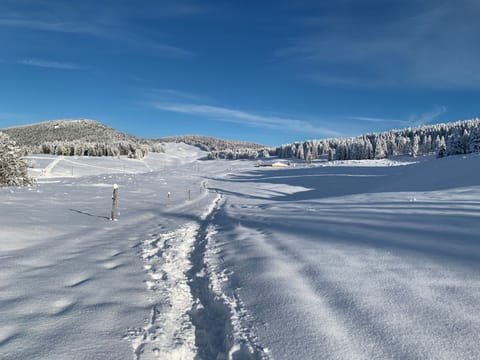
[(209, 143), (459, 137), (79, 137), (65, 130), (90, 137)]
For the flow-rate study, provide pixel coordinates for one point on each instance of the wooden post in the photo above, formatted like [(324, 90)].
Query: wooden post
[(114, 202), (168, 198)]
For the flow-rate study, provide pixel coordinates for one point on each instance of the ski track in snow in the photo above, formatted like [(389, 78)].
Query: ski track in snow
[(47, 172), (219, 316), (76, 163), (169, 333), (243, 342), (191, 315)]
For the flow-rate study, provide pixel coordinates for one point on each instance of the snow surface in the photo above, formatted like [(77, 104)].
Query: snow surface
[(354, 260)]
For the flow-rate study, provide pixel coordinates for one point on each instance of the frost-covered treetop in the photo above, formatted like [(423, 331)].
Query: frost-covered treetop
[(13, 170), (209, 143), (79, 137), (66, 130), (460, 137)]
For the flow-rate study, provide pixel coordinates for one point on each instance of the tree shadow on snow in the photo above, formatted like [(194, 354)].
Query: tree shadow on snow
[(325, 182)]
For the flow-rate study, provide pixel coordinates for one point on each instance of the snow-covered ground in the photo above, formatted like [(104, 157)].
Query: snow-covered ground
[(355, 260)]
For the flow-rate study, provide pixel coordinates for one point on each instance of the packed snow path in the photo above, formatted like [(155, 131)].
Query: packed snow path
[(169, 332), (190, 316), (359, 260)]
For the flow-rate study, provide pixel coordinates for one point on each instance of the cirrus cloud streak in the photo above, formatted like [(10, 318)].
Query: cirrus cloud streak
[(247, 118)]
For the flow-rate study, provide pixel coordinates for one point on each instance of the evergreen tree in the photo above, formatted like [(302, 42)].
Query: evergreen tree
[(459, 137), (442, 148), (415, 145), (13, 170), (474, 144), (380, 148)]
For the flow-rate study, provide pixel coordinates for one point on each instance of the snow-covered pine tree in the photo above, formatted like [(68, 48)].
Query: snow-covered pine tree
[(455, 143), (308, 157), (13, 170), (380, 148), (442, 148), (474, 145), (331, 154), (415, 145), (300, 154)]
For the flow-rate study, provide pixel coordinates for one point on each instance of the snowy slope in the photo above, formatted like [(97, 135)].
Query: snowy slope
[(360, 260), (357, 262), (75, 284)]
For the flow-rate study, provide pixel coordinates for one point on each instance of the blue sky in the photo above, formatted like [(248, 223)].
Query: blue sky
[(266, 71)]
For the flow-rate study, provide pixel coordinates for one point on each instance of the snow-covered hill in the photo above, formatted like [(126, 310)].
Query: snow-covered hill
[(79, 137), (218, 259), (209, 143), (66, 130)]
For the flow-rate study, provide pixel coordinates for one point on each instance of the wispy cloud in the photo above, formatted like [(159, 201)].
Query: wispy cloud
[(377, 120), (54, 26), (119, 23), (173, 94), (406, 45), (247, 118), (171, 50), (345, 81), (411, 120), (426, 117), (49, 64), (113, 32)]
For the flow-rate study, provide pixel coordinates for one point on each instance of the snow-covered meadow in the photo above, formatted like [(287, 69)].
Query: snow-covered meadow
[(354, 260)]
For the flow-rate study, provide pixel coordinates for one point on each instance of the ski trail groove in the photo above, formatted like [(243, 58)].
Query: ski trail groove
[(217, 317), (47, 172), (169, 333), (191, 316)]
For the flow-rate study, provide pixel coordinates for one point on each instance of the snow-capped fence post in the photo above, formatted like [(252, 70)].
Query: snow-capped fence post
[(168, 198), (203, 186), (114, 201)]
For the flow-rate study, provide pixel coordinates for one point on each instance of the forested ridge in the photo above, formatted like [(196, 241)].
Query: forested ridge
[(88, 137), (460, 137), (79, 137), (209, 143)]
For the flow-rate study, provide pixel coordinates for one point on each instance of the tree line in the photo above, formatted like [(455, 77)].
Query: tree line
[(79, 148), (209, 143), (80, 137), (460, 137)]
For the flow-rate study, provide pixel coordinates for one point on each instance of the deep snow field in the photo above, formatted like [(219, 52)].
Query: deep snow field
[(345, 260)]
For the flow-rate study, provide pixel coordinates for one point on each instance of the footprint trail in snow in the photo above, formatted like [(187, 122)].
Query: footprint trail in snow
[(190, 316), (169, 332)]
